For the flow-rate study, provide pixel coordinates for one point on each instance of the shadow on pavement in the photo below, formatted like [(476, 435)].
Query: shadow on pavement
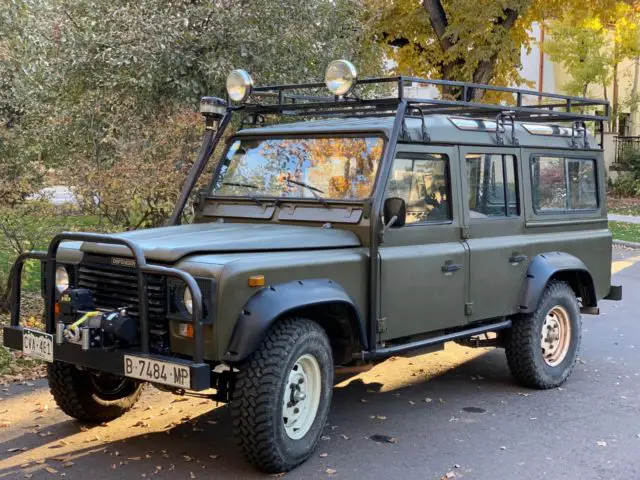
[(371, 405)]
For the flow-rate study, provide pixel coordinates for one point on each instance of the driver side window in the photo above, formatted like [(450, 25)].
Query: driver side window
[(422, 181)]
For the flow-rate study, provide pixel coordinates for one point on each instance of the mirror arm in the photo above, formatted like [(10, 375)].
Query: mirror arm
[(387, 226)]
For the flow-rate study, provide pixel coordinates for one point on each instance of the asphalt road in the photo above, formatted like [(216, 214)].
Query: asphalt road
[(454, 412)]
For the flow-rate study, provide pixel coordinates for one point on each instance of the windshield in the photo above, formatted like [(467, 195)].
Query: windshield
[(341, 168)]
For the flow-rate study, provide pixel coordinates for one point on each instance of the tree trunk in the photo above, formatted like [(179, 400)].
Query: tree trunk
[(484, 71)]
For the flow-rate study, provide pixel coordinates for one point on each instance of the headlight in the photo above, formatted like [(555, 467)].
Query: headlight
[(340, 77), (62, 279), (188, 301), (239, 84)]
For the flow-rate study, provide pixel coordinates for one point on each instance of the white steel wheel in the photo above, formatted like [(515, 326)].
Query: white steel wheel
[(301, 396), (542, 346), (555, 336), (282, 395)]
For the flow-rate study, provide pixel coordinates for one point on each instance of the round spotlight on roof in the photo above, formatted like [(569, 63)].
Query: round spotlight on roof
[(340, 77), (239, 85)]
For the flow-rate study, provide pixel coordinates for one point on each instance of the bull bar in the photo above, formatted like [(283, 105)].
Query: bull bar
[(111, 361)]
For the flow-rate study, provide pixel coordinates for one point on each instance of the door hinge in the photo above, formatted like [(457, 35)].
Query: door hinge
[(468, 308), (465, 233), (382, 324)]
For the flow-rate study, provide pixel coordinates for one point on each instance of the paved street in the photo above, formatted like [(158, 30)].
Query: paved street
[(455, 411), (623, 218)]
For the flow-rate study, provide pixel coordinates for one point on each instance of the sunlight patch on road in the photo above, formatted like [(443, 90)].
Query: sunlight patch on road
[(619, 265), (64, 441), (399, 372)]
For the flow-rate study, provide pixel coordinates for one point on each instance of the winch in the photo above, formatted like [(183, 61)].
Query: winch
[(79, 322)]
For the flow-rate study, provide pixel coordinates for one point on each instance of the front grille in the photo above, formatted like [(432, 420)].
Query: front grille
[(117, 287)]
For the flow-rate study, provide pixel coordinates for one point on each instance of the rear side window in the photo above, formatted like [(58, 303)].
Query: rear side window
[(563, 184), (492, 185)]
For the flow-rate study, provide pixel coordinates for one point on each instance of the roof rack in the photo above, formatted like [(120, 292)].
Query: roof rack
[(529, 105)]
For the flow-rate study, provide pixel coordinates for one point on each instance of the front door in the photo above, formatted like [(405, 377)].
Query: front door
[(424, 264), (498, 247)]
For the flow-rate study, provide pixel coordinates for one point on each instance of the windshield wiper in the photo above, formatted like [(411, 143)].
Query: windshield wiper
[(311, 188), (247, 186)]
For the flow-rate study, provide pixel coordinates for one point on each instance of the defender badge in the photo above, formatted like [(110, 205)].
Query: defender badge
[(123, 262)]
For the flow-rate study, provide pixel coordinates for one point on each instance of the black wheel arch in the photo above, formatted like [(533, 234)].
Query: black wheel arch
[(560, 266), (321, 300)]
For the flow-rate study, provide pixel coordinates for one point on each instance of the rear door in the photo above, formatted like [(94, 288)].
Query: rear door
[(424, 264), (499, 250)]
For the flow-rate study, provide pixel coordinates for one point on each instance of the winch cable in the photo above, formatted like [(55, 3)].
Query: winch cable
[(74, 326)]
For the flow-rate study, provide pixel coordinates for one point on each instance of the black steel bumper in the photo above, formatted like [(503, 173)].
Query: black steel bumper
[(111, 361), (101, 359)]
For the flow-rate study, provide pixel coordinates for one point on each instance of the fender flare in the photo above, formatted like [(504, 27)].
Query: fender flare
[(542, 268), (274, 301)]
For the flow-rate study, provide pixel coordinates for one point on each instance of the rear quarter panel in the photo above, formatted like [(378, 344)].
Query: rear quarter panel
[(584, 234)]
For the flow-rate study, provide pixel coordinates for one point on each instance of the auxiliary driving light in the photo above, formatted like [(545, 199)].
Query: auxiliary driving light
[(213, 107), (340, 77), (62, 279), (239, 85)]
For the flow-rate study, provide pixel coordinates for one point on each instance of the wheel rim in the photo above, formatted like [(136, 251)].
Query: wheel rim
[(556, 336), (301, 396), (109, 385)]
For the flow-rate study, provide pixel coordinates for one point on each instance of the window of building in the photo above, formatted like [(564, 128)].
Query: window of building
[(423, 183), (492, 185), (563, 184)]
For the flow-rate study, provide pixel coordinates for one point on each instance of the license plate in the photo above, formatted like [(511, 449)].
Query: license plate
[(156, 371), (37, 344)]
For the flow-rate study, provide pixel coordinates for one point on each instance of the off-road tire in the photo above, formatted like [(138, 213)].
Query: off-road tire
[(257, 400), (77, 395), (523, 346)]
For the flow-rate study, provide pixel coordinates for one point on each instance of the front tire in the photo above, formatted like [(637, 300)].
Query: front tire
[(90, 396), (542, 348), (282, 396)]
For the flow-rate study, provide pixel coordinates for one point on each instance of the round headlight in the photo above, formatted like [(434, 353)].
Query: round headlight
[(188, 301), (340, 77), (62, 279), (239, 84)]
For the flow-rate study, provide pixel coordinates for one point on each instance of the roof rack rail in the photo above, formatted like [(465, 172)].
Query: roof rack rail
[(529, 105)]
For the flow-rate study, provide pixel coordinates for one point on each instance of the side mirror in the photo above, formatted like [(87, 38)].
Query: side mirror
[(394, 207)]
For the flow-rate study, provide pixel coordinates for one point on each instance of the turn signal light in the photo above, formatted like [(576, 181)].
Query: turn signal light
[(56, 309), (256, 281), (185, 330)]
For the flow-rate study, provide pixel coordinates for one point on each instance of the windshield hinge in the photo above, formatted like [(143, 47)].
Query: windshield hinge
[(382, 324), (465, 233)]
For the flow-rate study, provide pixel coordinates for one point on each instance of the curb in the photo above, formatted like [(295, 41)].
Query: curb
[(624, 243)]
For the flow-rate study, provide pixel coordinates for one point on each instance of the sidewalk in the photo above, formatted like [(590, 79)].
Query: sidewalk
[(623, 218)]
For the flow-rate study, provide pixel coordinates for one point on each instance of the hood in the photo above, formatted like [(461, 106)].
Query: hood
[(170, 244)]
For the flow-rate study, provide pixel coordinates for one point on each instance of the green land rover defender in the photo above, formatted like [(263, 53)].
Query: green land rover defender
[(386, 218)]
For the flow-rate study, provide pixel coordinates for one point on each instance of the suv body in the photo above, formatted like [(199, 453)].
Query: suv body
[(442, 226)]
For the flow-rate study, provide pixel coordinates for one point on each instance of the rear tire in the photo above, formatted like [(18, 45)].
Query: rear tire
[(542, 347), (91, 397), (282, 396)]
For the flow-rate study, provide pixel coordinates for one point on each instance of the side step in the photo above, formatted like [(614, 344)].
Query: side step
[(386, 352)]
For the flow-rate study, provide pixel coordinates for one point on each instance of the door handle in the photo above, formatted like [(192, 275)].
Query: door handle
[(515, 259), (450, 267)]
